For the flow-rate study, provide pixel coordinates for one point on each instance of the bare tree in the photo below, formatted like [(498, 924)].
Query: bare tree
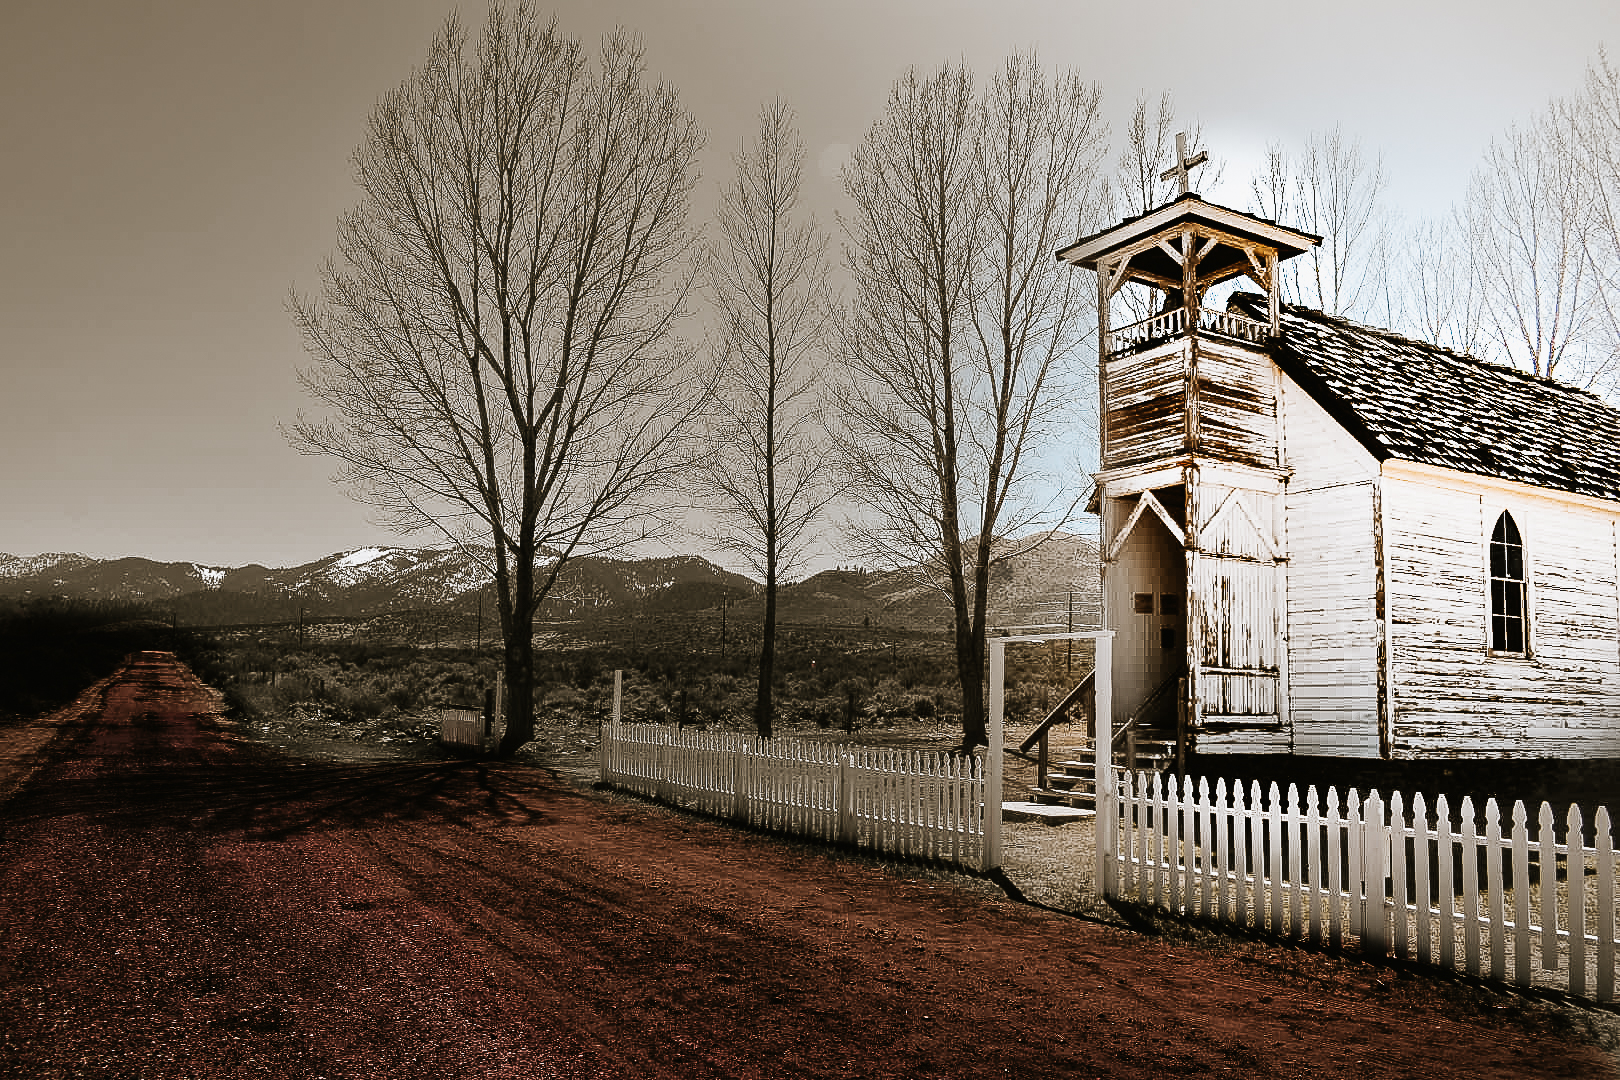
[(1443, 296), (1529, 227), (765, 470), (495, 341), (955, 353), (1594, 120), (1332, 190)]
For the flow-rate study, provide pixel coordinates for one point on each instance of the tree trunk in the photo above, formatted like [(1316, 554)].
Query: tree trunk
[(518, 657), (970, 670), (971, 606), (764, 707), (975, 722), (519, 664), (968, 633)]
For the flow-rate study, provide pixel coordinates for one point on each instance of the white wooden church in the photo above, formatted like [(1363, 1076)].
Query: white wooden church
[(1321, 538)]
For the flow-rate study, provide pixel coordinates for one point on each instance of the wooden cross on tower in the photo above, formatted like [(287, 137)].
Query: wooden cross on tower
[(1184, 164)]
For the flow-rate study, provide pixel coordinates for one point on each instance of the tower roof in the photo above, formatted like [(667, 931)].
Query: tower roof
[(1234, 233), (1410, 400)]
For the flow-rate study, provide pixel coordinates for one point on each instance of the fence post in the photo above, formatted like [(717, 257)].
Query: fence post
[(1103, 763), (1374, 858), (848, 833), (1041, 760), (661, 756), (1603, 842), (618, 695)]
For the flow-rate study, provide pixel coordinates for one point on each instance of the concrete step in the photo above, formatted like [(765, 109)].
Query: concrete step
[(1045, 813)]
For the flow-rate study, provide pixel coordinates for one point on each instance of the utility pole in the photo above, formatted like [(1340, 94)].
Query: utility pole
[(1070, 669)]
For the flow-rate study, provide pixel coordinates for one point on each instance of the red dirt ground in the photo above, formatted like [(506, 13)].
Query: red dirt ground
[(178, 902)]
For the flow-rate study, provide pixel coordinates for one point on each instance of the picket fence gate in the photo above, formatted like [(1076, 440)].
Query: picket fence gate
[(462, 727), (1389, 874), (911, 804)]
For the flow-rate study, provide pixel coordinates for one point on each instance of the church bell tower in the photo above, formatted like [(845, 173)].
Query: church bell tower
[(1190, 490)]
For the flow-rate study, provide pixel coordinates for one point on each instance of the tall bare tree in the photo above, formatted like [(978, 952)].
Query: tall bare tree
[(1594, 119), (768, 274), (1443, 296), (1529, 227), (1333, 190), (955, 356), (495, 341)]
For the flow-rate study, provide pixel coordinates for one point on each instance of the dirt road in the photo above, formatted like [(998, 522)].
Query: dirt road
[(178, 902)]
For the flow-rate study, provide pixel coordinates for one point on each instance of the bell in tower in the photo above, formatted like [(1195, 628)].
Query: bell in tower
[(1191, 474)]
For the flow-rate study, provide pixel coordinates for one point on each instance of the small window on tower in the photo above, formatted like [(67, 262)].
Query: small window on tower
[(1169, 604), (1144, 603)]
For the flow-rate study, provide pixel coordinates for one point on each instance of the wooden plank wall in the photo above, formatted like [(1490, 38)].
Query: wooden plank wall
[(1333, 625), (1451, 697), (1237, 404), (1146, 402), (1333, 620)]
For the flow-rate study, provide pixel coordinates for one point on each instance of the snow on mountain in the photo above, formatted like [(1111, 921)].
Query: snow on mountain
[(19, 566), (211, 576), (369, 580), (367, 565)]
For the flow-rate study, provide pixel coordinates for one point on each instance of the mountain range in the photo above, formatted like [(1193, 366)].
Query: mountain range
[(365, 582)]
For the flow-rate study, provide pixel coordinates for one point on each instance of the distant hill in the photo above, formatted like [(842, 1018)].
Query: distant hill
[(363, 582), (1034, 588)]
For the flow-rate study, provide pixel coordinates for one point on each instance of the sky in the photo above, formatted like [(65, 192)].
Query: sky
[(171, 169)]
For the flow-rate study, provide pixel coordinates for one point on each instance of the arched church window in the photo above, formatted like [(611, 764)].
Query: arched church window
[(1510, 621)]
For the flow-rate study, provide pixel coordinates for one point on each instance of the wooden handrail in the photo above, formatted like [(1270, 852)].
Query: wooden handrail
[(1059, 715), (1152, 699)]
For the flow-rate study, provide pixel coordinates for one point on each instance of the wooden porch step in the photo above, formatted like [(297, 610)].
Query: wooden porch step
[(1081, 798)]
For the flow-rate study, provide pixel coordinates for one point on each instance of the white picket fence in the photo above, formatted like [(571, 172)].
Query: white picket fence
[(909, 804), (462, 727), (1507, 901)]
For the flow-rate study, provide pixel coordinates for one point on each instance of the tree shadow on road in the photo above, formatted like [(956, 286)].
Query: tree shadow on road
[(263, 795)]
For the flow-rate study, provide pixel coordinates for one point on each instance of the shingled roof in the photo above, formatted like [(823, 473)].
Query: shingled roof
[(1418, 402)]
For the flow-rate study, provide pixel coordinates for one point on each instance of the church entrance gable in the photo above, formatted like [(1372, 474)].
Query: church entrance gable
[(1145, 590)]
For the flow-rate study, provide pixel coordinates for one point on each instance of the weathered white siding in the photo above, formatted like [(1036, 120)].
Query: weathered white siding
[(1236, 405), (1333, 625), (1451, 697), (1146, 405)]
